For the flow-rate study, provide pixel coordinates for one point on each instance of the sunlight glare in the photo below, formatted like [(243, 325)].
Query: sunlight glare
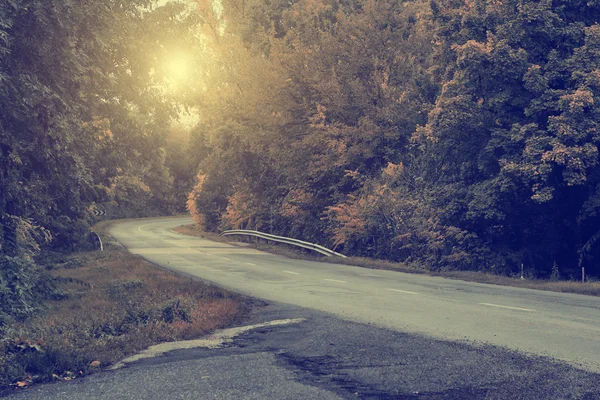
[(178, 68)]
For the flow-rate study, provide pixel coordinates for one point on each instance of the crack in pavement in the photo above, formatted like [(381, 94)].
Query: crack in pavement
[(215, 340)]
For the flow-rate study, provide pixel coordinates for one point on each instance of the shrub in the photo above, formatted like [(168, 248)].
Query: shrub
[(18, 280)]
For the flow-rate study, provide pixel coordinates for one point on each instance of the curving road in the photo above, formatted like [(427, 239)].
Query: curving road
[(562, 326)]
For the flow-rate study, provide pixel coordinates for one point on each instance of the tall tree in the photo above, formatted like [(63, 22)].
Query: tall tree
[(509, 142), (79, 118)]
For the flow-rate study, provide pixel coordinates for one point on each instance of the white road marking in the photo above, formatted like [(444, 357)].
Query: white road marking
[(141, 226), (225, 258), (254, 265), (291, 272), (510, 308), (334, 280), (402, 291)]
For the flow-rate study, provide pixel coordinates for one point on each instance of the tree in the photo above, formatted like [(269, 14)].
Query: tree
[(78, 115), (510, 141), (330, 104)]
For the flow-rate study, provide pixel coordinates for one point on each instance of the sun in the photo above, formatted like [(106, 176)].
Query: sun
[(178, 68)]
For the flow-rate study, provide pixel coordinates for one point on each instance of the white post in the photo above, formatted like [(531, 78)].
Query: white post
[(99, 240), (522, 277)]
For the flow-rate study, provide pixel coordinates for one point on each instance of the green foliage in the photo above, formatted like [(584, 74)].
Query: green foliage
[(80, 123), (513, 130), (18, 289)]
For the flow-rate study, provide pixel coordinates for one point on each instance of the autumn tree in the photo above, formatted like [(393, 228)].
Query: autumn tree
[(511, 143), (488, 106), (339, 96)]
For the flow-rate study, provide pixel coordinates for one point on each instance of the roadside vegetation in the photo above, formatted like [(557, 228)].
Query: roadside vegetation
[(456, 135), (105, 306), (590, 288), (83, 130)]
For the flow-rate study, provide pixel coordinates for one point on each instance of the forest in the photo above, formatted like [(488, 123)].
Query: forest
[(444, 134)]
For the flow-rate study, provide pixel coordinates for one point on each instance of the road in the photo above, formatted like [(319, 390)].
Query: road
[(562, 326), (358, 334)]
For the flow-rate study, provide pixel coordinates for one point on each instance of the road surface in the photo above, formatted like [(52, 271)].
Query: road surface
[(358, 334), (562, 326)]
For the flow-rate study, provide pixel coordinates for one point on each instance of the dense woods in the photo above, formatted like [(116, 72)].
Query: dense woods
[(447, 134), (81, 126)]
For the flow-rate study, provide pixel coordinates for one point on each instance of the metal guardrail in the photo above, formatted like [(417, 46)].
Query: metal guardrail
[(286, 240)]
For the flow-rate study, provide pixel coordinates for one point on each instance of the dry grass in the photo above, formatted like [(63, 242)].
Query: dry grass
[(587, 288), (113, 304)]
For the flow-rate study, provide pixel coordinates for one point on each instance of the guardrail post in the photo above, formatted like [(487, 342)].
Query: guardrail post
[(99, 241)]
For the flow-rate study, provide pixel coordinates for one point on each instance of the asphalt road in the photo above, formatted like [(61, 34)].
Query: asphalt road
[(327, 358), (364, 334), (562, 326)]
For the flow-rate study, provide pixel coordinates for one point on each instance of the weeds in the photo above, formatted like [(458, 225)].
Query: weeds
[(111, 304)]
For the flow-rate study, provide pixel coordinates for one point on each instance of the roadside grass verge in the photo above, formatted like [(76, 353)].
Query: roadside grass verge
[(587, 288), (110, 305)]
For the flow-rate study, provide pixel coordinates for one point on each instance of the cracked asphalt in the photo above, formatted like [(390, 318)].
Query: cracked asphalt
[(325, 357)]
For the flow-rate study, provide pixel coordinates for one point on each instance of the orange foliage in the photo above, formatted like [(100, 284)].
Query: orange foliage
[(350, 217), (101, 126), (239, 210), (392, 171), (377, 204), (192, 205), (294, 202)]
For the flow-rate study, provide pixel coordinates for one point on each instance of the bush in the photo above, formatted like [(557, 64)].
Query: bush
[(18, 281)]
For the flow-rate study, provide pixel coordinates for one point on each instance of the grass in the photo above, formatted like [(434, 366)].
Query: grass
[(111, 304), (587, 288)]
